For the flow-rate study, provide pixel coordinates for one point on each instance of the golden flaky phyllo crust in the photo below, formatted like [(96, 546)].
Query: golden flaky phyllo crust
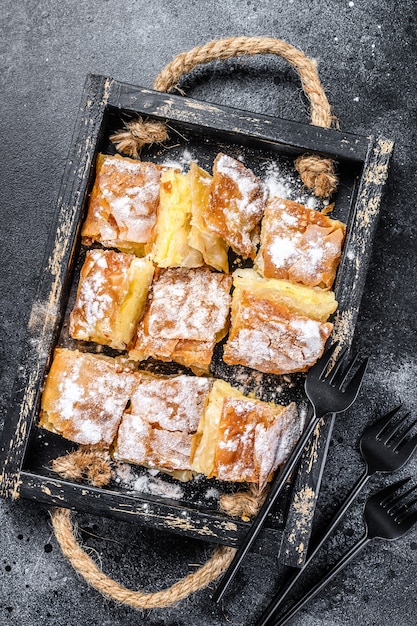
[(85, 396), (187, 314), (123, 204), (237, 204), (243, 439), (299, 244), (111, 298), (277, 327)]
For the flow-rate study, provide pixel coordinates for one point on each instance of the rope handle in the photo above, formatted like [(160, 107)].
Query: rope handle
[(65, 534), (317, 173), (93, 465)]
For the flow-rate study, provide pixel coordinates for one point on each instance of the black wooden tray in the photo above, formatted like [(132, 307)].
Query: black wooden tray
[(202, 130)]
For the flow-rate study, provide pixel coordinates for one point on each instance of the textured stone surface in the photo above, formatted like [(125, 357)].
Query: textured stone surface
[(366, 53)]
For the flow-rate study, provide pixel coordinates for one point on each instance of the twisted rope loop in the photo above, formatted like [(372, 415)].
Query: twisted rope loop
[(223, 49), (94, 465), (66, 536), (317, 173)]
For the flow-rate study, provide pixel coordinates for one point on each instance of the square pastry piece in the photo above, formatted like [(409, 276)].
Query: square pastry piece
[(299, 244), (277, 327), (236, 206), (157, 428), (242, 439), (182, 238), (213, 249), (173, 225), (84, 397), (123, 204), (186, 315), (111, 298)]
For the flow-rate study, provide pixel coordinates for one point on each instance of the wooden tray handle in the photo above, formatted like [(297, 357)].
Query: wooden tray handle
[(93, 465), (317, 173), (65, 534)]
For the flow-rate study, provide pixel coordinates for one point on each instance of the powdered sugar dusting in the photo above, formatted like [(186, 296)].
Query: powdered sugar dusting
[(250, 433), (146, 483), (237, 204), (283, 250), (78, 409), (164, 413), (264, 339), (124, 201), (189, 304), (138, 442), (299, 244), (283, 182), (174, 403), (103, 285), (247, 186)]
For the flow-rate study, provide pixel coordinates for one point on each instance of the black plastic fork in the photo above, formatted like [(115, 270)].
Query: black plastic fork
[(332, 392), (385, 446), (388, 514)]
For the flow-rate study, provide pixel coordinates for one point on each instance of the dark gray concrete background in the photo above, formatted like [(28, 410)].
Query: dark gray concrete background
[(366, 52)]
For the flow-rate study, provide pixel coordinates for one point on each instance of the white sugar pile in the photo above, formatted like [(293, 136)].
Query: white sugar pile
[(148, 483)]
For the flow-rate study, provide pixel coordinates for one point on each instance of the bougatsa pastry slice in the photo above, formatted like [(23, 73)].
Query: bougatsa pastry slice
[(187, 314), (157, 428), (277, 327), (85, 396), (173, 226), (111, 297), (299, 244), (213, 249), (196, 355), (123, 204), (243, 439), (236, 205)]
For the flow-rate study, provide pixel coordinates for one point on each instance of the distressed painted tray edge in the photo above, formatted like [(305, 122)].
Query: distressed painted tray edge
[(100, 93)]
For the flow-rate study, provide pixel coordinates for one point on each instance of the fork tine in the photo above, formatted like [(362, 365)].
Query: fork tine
[(405, 508), (338, 365), (356, 380), (408, 448), (319, 369), (403, 435), (400, 500), (340, 379), (389, 491), (384, 422), (394, 428), (406, 516), (412, 502), (408, 520)]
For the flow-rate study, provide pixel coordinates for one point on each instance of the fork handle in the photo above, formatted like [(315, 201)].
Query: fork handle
[(317, 543), (346, 558), (270, 500)]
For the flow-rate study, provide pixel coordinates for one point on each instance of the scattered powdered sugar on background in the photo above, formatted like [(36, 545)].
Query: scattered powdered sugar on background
[(212, 492), (148, 483), (282, 182), (182, 163)]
